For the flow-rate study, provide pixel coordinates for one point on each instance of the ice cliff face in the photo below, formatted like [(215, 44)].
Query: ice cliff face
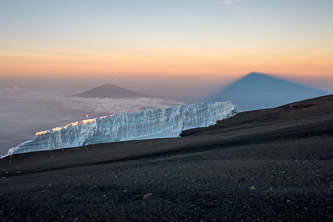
[(128, 126)]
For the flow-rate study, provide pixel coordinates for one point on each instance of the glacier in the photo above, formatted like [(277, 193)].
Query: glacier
[(144, 124)]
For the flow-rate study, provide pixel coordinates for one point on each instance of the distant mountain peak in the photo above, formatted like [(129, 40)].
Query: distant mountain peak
[(109, 90), (109, 85)]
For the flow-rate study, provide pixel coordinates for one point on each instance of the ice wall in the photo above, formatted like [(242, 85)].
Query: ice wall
[(128, 126)]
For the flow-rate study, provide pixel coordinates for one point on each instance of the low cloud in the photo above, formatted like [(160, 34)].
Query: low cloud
[(17, 92), (97, 106), (12, 91)]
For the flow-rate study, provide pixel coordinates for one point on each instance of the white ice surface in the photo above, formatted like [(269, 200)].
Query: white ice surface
[(160, 136), (147, 124)]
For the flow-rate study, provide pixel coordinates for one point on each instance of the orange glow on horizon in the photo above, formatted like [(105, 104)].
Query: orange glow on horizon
[(136, 70), (186, 63)]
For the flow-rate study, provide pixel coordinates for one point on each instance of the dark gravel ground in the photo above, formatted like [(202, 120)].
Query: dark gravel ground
[(265, 165)]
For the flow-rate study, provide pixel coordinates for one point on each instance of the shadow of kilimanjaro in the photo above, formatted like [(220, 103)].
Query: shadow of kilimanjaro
[(259, 91)]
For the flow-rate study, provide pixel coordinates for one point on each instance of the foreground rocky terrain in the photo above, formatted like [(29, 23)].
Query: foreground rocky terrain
[(264, 165)]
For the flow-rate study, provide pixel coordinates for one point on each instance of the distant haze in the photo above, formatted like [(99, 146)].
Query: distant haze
[(186, 88)]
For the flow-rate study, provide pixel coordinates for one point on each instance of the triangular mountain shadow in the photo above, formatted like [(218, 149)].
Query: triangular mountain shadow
[(111, 91), (259, 91)]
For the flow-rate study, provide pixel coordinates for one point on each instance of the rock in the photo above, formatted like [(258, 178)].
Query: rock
[(146, 196)]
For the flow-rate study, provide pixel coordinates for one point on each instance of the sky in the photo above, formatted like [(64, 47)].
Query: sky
[(188, 44)]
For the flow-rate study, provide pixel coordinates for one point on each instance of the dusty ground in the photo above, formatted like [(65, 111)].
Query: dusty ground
[(267, 165)]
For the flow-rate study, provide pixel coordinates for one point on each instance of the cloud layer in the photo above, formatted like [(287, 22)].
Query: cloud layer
[(96, 106)]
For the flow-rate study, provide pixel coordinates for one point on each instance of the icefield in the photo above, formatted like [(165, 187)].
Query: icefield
[(146, 124)]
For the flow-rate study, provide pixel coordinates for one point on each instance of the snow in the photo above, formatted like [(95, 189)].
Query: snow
[(147, 124)]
